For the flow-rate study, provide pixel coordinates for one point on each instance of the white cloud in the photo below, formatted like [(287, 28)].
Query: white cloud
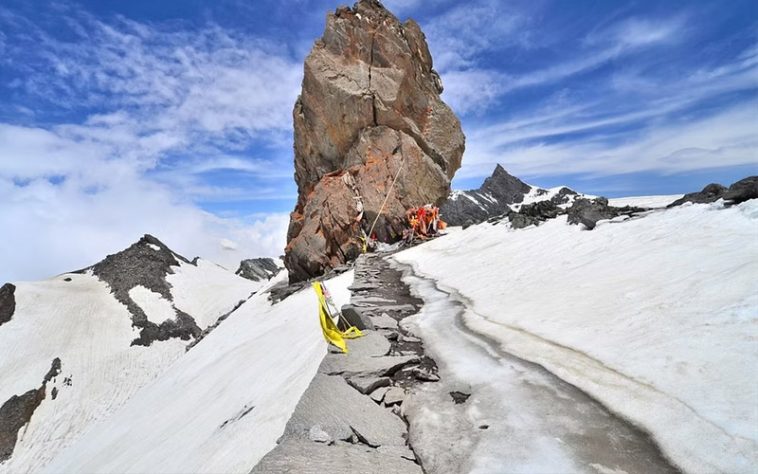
[(726, 138), (170, 106)]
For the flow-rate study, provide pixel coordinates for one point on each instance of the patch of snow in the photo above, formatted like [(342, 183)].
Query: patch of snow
[(654, 317), (207, 291), (154, 247), (156, 307), (223, 405), (645, 201)]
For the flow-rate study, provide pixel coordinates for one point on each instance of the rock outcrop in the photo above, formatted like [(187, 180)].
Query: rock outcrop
[(258, 269), (740, 191), (369, 115)]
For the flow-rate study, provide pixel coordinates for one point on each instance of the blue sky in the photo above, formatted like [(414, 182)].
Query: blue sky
[(174, 117)]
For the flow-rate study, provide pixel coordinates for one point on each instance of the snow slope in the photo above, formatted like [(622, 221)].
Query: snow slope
[(82, 324), (76, 318), (655, 317), (222, 406)]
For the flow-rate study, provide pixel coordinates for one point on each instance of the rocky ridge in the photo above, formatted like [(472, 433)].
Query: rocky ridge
[(372, 137), (500, 194)]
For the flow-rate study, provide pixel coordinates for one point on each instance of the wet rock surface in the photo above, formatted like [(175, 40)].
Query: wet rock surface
[(258, 269), (146, 263), (17, 411), (369, 114), (350, 417), (7, 302)]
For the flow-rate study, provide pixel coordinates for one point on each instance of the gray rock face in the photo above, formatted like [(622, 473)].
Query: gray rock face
[(7, 302), (146, 263), (369, 111), (258, 269)]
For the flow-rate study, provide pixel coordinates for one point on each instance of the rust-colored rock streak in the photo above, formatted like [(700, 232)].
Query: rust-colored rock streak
[(369, 106)]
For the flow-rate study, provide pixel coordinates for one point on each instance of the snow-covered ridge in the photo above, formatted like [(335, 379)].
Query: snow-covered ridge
[(87, 323)]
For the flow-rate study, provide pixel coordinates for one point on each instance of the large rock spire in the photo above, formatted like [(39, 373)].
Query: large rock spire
[(369, 111)]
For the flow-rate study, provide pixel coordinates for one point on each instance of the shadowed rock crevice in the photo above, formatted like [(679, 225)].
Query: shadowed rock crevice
[(17, 411), (7, 302)]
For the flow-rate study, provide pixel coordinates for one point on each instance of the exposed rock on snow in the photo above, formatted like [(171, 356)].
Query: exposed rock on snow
[(258, 269), (740, 191), (369, 111), (589, 211), (710, 193), (7, 302), (18, 410)]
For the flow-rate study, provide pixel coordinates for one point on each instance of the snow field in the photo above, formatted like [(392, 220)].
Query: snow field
[(654, 317)]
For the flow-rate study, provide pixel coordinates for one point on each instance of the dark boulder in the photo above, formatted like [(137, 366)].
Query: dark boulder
[(7, 302), (711, 193), (589, 211), (743, 190)]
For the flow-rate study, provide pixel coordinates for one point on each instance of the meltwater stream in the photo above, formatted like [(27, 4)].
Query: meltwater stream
[(519, 417)]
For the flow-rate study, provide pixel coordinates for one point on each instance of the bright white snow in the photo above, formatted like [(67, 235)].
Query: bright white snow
[(207, 291), (655, 317), (156, 307), (222, 406)]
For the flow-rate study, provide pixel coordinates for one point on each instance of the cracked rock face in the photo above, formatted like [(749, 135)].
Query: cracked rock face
[(369, 111)]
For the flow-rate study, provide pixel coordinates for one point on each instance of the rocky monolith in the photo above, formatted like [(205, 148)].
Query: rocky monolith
[(369, 112)]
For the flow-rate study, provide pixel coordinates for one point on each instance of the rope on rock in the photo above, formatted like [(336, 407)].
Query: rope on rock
[(392, 186)]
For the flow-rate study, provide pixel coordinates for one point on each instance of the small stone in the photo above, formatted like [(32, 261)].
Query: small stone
[(318, 435), (378, 394), (410, 339), (394, 396), (384, 321)]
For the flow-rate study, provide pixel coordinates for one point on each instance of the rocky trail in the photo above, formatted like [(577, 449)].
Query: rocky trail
[(349, 419)]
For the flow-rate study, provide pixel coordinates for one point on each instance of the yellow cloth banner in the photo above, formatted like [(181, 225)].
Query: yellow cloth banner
[(332, 334)]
